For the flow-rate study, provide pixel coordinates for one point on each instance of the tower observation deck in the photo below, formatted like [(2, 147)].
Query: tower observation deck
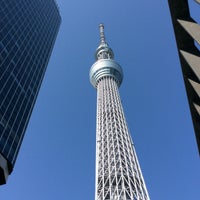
[(118, 174)]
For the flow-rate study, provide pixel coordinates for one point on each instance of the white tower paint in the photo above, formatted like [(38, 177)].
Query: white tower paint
[(118, 174)]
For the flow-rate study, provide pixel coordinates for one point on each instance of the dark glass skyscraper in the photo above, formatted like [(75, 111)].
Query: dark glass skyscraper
[(28, 30)]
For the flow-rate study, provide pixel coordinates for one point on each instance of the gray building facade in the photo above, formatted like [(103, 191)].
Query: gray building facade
[(187, 37), (28, 30)]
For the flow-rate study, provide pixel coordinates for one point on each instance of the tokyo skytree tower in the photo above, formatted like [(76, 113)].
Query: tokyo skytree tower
[(118, 174)]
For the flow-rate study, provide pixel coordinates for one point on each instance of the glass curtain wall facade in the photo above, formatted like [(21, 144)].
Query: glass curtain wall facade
[(28, 30)]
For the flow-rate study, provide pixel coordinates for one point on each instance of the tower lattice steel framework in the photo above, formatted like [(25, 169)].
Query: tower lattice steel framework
[(118, 174)]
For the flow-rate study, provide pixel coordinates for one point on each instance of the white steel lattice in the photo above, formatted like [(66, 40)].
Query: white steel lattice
[(118, 174)]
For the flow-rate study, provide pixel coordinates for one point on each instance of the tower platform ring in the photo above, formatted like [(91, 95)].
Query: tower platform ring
[(103, 68)]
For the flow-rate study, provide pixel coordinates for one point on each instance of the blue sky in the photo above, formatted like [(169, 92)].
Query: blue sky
[(57, 158)]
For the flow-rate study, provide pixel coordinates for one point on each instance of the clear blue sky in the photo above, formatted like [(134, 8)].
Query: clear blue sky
[(57, 158)]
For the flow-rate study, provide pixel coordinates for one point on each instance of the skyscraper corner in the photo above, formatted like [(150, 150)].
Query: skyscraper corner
[(118, 173), (186, 31), (28, 30)]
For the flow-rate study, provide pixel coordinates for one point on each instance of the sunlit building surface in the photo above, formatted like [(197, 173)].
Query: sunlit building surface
[(28, 29), (118, 174), (188, 40)]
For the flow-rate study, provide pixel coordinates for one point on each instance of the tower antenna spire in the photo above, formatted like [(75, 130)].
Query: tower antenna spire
[(103, 51), (102, 35)]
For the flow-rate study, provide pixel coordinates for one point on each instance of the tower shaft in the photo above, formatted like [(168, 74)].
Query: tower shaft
[(118, 174)]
